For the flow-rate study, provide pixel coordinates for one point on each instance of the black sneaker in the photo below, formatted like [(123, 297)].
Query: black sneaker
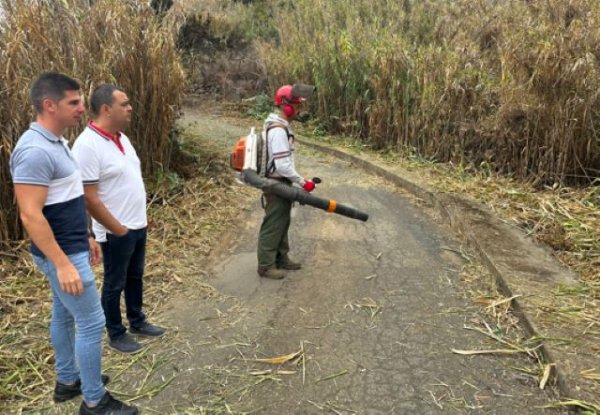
[(63, 393), (147, 330), (108, 406), (125, 344)]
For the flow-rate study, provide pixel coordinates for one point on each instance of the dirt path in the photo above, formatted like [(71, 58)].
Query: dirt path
[(374, 315)]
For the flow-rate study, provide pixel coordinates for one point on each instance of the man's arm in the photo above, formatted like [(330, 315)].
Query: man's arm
[(99, 211), (31, 199), (279, 148)]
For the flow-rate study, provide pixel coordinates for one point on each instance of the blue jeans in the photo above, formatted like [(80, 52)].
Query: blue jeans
[(76, 329), (123, 258)]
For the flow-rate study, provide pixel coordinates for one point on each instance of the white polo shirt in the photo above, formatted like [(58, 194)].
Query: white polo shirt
[(117, 171)]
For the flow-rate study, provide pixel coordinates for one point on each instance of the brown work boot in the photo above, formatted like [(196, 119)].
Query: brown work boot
[(288, 264), (271, 273)]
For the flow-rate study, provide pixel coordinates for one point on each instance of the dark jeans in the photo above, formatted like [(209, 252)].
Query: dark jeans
[(123, 259)]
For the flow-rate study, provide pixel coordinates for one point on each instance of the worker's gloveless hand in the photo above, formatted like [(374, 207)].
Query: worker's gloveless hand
[(308, 186)]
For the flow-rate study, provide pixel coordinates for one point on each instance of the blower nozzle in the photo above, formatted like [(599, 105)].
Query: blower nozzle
[(250, 177)]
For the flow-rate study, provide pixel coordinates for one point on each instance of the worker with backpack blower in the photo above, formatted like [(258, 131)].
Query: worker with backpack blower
[(273, 245)]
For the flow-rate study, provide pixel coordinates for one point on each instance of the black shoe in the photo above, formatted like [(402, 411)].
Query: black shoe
[(108, 406), (125, 344), (147, 330), (63, 393)]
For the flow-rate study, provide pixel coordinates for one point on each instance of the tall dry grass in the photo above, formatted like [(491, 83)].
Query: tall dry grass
[(509, 85), (111, 41)]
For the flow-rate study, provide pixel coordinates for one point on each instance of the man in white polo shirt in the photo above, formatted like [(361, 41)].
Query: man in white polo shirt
[(116, 199)]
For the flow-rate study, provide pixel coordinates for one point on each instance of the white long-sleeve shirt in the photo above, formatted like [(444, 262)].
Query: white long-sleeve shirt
[(281, 150)]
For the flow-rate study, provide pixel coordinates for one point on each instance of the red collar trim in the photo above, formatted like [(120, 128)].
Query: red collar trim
[(108, 136)]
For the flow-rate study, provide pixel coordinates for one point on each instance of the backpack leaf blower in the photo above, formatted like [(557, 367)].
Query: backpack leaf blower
[(250, 154)]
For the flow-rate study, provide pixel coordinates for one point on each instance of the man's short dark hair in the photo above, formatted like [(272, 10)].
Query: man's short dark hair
[(102, 95), (51, 85)]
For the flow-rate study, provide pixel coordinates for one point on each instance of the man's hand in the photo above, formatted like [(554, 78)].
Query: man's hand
[(308, 186), (95, 252), (69, 279), (98, 211), (124, 231)]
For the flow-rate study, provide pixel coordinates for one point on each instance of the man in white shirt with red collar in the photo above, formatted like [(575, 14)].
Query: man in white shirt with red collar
[(115, 197)]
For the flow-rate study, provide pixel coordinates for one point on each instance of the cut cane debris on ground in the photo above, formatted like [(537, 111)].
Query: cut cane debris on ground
[(516, 203), (187, 219), (566, 220), (225, 376)]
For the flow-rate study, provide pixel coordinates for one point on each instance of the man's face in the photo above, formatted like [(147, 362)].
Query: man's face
[(66, 111), (297, 108), (120, 111)]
